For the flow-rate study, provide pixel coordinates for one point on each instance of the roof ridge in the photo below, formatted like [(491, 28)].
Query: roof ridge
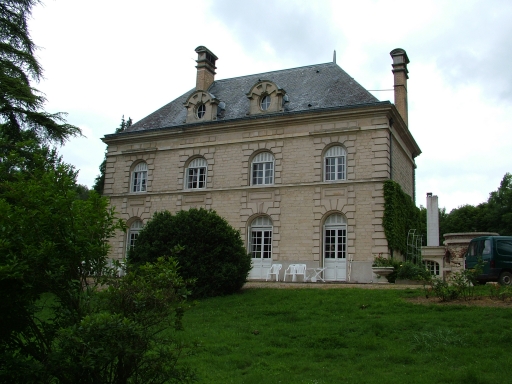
[(278, 70)]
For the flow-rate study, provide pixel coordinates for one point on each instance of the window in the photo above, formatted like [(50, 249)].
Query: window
[(201, 110), (263, 169), (335, 237), (504, 247), (260, 240), (133, 233), (335, 164), (265, 102), (139, 178), (196, 174), (432, 266)]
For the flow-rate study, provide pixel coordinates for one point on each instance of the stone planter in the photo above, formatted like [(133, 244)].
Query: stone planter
[(383, 272)]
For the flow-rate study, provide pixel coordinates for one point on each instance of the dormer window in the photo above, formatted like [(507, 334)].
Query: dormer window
[(265, 102), (265, 97), (201, 110), (202, 106)]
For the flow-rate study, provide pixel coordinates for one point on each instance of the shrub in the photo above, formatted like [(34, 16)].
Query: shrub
[(212, 251), (411, 271)]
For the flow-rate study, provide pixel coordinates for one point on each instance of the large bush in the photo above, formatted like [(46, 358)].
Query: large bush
[(212, 251)]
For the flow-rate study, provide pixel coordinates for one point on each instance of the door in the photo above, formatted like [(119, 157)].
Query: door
[(335, 248), (260, 245)]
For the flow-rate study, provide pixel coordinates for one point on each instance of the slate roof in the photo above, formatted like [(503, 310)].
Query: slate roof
[(308, 88)]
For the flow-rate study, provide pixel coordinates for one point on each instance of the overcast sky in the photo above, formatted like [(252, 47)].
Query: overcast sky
[(104, 59)]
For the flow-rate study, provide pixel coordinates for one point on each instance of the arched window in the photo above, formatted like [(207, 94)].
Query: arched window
[(133, 233), (335, 164), (262, 169), (432, 266), (260, 238), (196, 174), (139, 177), (335, 237)]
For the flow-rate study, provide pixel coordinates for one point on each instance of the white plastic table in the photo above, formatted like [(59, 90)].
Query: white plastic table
[(316, 274)]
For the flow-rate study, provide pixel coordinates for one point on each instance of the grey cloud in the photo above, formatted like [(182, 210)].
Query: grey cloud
[(472, 45), (299, 33)]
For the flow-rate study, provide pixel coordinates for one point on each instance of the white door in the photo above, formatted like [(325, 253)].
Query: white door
[(260, 244), (335, 248)]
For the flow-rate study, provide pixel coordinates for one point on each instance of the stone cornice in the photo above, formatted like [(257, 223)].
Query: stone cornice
[(274, 120)]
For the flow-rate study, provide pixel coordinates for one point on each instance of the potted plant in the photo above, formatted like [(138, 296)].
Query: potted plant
[(382, 266)]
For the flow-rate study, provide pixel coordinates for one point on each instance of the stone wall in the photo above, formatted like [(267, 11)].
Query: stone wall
[(299, 200)]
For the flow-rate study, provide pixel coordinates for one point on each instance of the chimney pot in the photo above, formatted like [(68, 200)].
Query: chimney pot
[(400, 72), (205, 68)]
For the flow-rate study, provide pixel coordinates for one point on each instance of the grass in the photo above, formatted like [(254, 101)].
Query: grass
[(346, 336)]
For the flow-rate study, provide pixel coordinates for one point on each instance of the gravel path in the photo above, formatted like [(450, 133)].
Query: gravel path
[(289, 285)]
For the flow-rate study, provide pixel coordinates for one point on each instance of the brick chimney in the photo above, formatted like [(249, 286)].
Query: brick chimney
[(205, 68), (400, 61)]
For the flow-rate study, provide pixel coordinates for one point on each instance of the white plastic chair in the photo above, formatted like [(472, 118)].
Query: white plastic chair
[(274, 270), (294, 270), (300, 269)]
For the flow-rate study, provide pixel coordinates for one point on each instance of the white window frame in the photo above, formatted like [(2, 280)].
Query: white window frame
[(201, 111), (335, 237), (260, 238), (265, 102), (133, 233), (335, 164), (262, 169), (196, 174), (139, 178), (432, 266)]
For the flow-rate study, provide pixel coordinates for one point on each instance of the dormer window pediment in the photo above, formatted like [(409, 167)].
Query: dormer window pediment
[(201, 106), (264, 97)]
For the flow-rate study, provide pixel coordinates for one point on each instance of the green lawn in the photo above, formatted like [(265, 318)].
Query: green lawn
[(346, 336)]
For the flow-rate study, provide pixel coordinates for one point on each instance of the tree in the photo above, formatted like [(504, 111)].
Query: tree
[(21, 114), (49, 243), (126, 337), (55, 325), (498, 215), (213, 252), (99, 181)]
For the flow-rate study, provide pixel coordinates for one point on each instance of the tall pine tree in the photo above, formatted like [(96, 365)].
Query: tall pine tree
[(22, 115)]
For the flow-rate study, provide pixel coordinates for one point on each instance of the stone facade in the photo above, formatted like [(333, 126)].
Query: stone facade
[(376, 141)]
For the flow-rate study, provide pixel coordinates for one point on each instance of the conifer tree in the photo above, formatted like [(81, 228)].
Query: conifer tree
[(22, 115)]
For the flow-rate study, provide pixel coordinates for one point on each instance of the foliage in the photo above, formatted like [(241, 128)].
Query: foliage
[(411, 271), (121, 339), (400, 215), (49, 242), (381, 261), (500, 292), (494, 215), (327, 336), (498, 214), (213, 252), (461, 285), (466, 218), (20, 104), (99, 181)]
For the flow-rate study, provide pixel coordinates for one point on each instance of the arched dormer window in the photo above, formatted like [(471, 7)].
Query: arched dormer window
[(139, 178), (196, 174), (264, 97), (262, 169), (202, 106), (335, 164)]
